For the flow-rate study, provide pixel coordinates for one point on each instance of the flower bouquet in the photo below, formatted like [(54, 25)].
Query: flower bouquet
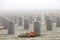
[(30, 34)]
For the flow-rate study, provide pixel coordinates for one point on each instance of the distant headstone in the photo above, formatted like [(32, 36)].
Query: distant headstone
[(11, 27), (4, 22), (49, 23), (53, 19), (20, 21), (58, 22), (37, 28), (38, 19), (15, 20), (30, 19), (11, 18), (26, 24)]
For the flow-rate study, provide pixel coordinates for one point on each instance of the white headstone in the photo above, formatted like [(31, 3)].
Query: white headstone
[(37, 27), (20, 21), (58, 22), (26, 24), (11, 27)]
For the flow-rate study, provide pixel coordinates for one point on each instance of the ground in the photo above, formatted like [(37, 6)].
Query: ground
[(45, 34)]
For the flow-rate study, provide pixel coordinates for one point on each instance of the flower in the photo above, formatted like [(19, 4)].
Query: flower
[(1, 27), (31, 33)]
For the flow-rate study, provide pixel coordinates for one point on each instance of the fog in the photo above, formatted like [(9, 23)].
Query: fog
[(17, 7), (29, 4)]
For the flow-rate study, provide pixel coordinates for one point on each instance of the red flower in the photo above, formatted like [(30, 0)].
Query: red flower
[(31, 33), (1, 27)]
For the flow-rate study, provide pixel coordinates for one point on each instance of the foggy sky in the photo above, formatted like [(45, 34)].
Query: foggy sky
[(29, 4)]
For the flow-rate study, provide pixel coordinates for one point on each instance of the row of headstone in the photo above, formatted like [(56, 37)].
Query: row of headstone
[(9, 25), (53, 20), (17, 20), (37, 25), (26, 26), (49, 22), (20, 20), (31, 19), (36, 28)]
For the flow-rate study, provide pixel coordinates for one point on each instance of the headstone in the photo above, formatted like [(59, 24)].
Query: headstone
[(38, 19), (37, 26), (53, 19), (58, 22), (15, 20), (20, 21), (30, 19), (26, 24), (4, 22), (11, 18), (49, 23), (11, 27)]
